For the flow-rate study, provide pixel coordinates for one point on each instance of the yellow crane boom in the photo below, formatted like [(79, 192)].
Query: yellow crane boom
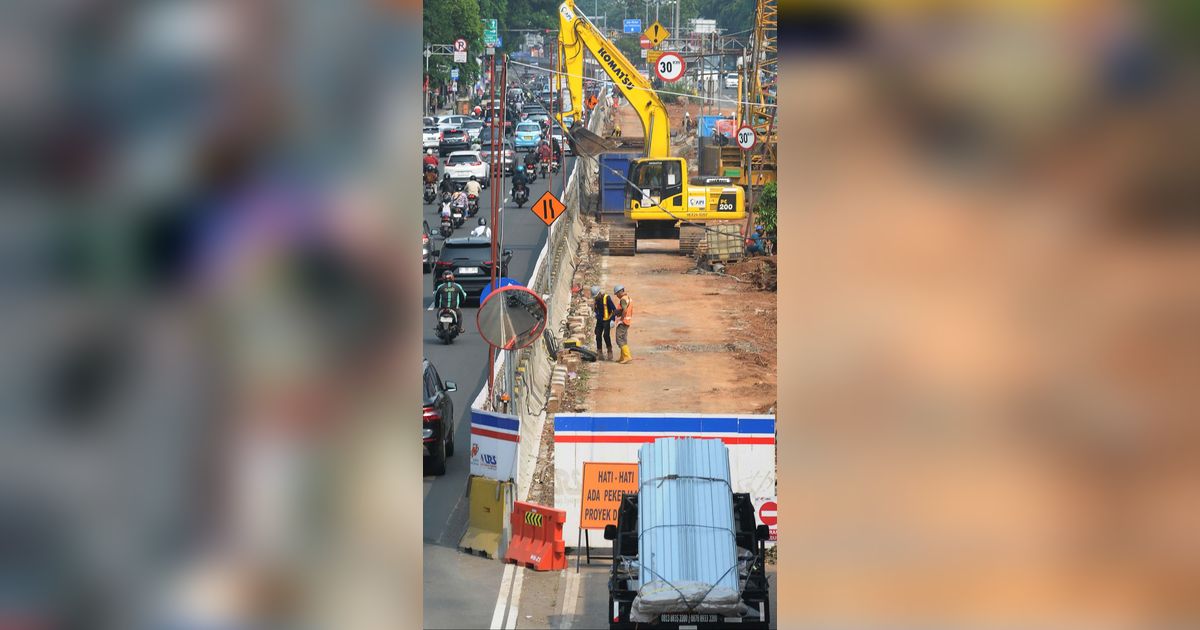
[(577, 32)]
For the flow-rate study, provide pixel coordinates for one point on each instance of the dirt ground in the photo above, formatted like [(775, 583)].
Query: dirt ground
[(701, 343)]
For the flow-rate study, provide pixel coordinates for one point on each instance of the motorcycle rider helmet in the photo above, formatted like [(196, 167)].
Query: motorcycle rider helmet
[(448, 276), (482, 222), (472, 178), (446, 176)]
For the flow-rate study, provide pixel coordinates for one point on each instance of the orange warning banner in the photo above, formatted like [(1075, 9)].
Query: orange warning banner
[(603, 485)]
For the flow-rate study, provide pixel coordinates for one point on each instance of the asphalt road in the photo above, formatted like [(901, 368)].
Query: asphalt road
[(461, 590)]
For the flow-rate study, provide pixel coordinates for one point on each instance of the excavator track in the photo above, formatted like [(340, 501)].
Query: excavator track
[(691, 239), (622, 240)]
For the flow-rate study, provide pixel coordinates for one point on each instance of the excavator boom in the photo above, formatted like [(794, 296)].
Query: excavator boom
[(575, 33)]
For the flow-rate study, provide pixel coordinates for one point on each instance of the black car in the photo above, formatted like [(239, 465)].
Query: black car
[(437, 419), (470, 260), (453, 140)]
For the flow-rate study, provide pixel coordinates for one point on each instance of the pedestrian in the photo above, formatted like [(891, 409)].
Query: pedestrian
[(624, 317), (605, 310)]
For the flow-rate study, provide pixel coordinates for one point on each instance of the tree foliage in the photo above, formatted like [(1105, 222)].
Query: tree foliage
[(765, 208), (447, 20)]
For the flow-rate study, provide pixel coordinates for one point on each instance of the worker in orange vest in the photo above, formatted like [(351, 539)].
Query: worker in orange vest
[(624, 317)]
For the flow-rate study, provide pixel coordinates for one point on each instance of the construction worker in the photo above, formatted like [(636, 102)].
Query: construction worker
[(605, 310), (624, 317), (754, 244)]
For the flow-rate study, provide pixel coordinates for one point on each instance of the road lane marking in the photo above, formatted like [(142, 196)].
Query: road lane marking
[(502, 598), (570, 600), (516, 599)]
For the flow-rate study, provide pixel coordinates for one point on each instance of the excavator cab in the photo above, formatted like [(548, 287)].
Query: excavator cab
[(658, 185)]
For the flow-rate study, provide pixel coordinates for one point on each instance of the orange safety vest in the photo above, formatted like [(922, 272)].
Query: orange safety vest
[(626, 308)]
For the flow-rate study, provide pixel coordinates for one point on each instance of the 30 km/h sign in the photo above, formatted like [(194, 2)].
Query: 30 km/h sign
[(746, 138), (547, 208), (669, 67)]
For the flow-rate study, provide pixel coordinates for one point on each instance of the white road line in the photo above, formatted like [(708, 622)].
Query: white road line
[(428, 487), (516, 599), (502, 598), (570, 599), (430, 307)]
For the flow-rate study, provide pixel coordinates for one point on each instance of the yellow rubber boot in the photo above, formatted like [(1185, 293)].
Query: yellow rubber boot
[(625, 356)]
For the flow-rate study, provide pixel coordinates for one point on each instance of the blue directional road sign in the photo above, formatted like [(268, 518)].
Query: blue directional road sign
[(633, 26), (454, 73), (500, 282)]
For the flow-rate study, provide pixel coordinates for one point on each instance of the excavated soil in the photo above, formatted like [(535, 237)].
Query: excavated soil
[(701, 343)]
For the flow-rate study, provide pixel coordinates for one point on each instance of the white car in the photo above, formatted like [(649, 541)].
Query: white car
[(461, 165), (430, 136), (451, 122), (731, 80)]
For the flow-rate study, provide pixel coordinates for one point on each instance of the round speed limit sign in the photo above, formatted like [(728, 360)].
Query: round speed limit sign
[(669, 67), (746, 138)]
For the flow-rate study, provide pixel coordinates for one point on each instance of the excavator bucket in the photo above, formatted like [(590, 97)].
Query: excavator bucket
[(587, 143)]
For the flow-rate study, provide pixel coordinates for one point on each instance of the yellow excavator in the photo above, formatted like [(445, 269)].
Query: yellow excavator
[(660, 201)]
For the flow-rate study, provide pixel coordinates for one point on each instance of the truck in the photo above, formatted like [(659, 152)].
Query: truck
[(736, 561), (660, 200)]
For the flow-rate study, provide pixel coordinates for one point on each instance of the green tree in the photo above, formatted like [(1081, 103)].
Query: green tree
[(765, 208), (443, 22)]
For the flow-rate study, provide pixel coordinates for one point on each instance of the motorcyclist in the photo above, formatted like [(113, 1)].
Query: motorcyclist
[(518, 178), (451, 295), (556, 146), (544, 151), (459, 200), (446, 186), (473, 187), (430, 160), (531, 159), (482, 229)]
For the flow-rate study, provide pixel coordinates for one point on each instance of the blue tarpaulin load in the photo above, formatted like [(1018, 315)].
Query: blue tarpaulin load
[(687, 548)]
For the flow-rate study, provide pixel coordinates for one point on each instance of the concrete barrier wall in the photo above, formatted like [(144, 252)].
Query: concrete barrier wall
[(613, 437), (551, 278)]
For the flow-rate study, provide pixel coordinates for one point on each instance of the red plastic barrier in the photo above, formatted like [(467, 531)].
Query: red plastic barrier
[(537, 537)]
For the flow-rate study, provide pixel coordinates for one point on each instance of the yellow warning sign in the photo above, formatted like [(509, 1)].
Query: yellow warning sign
[(656, 33), (653, 55), (547, 208), (603, 485), (533, 518)]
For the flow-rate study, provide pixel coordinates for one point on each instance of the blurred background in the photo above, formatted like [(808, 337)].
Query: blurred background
[(990, 273), (204, 286)]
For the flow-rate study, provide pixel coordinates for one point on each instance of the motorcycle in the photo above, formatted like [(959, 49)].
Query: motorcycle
[(446, 228), (456, 215), (445, 199), (520, 195), (543, 168), (472, 205), (430, 193), (554, 166), (447, 326)]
